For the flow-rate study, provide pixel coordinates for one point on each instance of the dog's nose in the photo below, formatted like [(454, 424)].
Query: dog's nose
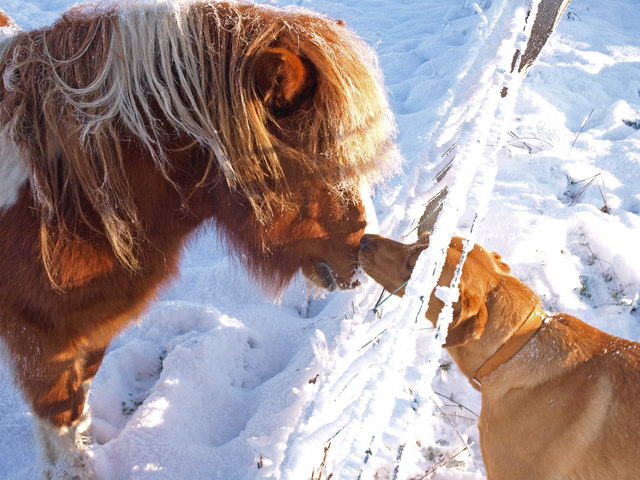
[(364, 243)]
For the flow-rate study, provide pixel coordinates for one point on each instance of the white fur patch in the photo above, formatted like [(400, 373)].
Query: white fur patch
[(63, 451), (63, 454), (13, 173)]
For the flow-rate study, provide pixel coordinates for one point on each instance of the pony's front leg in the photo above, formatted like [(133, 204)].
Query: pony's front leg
[(63, 424), (50, 370)]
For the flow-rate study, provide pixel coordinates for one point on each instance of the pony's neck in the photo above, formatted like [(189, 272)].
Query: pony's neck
[(170, 211)]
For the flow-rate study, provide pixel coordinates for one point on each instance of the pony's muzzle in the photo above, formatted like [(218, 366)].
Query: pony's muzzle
[(326, 277)]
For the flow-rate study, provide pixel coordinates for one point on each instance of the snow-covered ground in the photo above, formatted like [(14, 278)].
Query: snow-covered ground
[(218, 381)]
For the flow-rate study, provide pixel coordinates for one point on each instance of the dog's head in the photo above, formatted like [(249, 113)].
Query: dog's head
[(391, 263)]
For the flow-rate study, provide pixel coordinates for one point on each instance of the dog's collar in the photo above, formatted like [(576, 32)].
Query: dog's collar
[(529, 327)]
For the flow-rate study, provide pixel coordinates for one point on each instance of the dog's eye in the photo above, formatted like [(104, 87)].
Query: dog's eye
[(410, 263)]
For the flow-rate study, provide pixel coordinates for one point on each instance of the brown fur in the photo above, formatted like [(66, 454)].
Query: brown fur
[(136, 124), (565, 406)]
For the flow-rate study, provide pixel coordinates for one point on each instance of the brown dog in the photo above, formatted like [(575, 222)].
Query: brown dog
[(560, 399)]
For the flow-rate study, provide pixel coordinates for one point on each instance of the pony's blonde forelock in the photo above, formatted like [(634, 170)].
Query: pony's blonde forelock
[(146, 71)]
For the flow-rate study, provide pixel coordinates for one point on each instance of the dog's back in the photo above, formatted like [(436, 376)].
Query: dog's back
[(566, 407)]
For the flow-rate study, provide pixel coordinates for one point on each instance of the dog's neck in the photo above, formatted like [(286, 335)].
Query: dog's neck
[(512, 320)]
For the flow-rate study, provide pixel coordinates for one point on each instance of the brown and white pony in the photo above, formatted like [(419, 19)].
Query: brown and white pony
[(124, 127)]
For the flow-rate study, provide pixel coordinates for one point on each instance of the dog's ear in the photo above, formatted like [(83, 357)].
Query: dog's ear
[(469, 318), (284, 80), (500, 263)]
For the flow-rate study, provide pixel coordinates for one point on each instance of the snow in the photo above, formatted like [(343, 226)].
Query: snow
[(218, 381)]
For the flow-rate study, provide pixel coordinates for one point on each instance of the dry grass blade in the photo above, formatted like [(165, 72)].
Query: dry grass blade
[(528, 142), (442, 463), (579, 193), (322, 469), (466, 446), (602, 190), (584, 122)]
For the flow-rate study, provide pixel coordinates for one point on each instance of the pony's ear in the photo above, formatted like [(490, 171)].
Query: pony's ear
[(469, 318), (283, 79)]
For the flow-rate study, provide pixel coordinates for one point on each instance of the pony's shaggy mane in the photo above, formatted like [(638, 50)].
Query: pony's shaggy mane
[(165, 74)]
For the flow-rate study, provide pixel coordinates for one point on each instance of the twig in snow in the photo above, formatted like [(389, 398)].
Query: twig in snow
[(603, 191), (462, 417), (342, 391), (466, 446), (457, 403), (374, 340), (516, 138), (584, 122)]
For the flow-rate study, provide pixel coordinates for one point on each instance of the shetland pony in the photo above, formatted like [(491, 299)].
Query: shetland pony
[(124, 127)]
